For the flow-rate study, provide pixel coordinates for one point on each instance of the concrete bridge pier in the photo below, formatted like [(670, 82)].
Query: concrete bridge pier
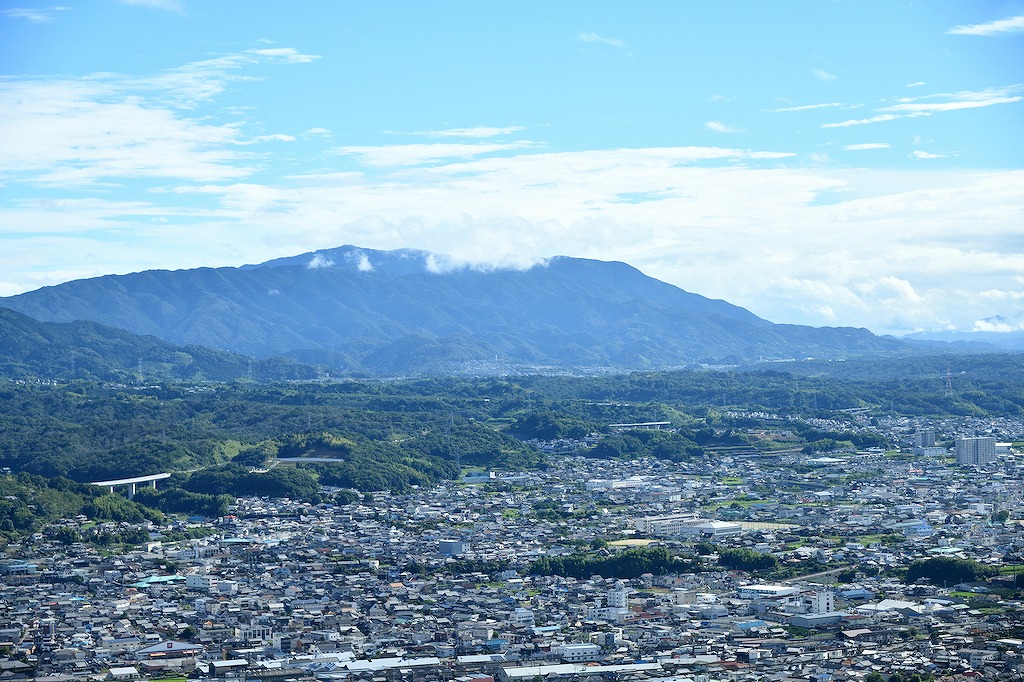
[(132, 483)]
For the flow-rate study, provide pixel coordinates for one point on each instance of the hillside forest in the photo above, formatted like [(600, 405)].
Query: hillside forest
[(291, 439)]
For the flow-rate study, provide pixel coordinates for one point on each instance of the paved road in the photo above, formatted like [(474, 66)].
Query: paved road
[(832, 571)]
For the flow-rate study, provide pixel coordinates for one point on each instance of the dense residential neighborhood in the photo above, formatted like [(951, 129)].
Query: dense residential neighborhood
[(455, 582)]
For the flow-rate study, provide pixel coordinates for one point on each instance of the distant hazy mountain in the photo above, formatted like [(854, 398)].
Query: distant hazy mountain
[(87, 350), (402, 311), (1008, 340)]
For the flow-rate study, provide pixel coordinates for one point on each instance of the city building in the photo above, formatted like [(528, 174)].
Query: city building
[(450, 547), (975, 450), (924, 443)]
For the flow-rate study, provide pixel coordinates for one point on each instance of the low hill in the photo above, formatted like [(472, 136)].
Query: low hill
[(87, 350)]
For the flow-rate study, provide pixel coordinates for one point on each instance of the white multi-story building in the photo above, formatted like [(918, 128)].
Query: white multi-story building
[(580, 653), (206, 583), (256, 633), (823, 601), (685, 526), (521, 616), (975, 450), (618, 597), (616, 606)]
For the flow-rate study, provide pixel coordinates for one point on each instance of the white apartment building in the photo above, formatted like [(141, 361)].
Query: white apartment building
[(975, 450)]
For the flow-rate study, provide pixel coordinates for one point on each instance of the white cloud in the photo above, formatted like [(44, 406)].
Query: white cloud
[(198, 82), (417, 154), (34, 15), (1002, 295), (479, 131), (807, 107), (823, 75), (318, 261), (1009, 25), (826, 311), (188, 86), (891, 288), (865, 146), (169, 5), (915, 84), (954, 102), (433, 265), (861, 121), (276, 137), (286, 55), (361, 260), (913, 107), (719, 127), (998, 326), (317, 132), (70, 132), (106, 128), (595, 38), (918, 154)]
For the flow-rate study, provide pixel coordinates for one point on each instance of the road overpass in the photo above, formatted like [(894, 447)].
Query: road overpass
[(132, 482)]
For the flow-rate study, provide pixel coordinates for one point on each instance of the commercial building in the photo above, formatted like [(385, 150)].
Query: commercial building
[(766, 591), (580, 653)]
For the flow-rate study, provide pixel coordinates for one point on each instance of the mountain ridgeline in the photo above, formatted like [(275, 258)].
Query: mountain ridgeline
[(399, 312), (88, 350)]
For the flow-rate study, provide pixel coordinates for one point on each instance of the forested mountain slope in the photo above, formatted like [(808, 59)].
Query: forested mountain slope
[(400, 312)]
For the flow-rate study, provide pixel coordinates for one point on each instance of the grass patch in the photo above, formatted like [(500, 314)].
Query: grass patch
[(226, 450)]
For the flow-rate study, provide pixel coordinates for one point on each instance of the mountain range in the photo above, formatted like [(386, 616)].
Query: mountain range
[(398, 312)]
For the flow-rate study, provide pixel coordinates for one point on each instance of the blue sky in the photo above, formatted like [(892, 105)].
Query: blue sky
[(820, 162)]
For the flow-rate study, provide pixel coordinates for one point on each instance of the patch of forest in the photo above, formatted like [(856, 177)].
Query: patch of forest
[(28, 503), (244, 438)]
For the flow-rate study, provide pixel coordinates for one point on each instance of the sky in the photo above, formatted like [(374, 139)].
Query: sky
[(824, 162)]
